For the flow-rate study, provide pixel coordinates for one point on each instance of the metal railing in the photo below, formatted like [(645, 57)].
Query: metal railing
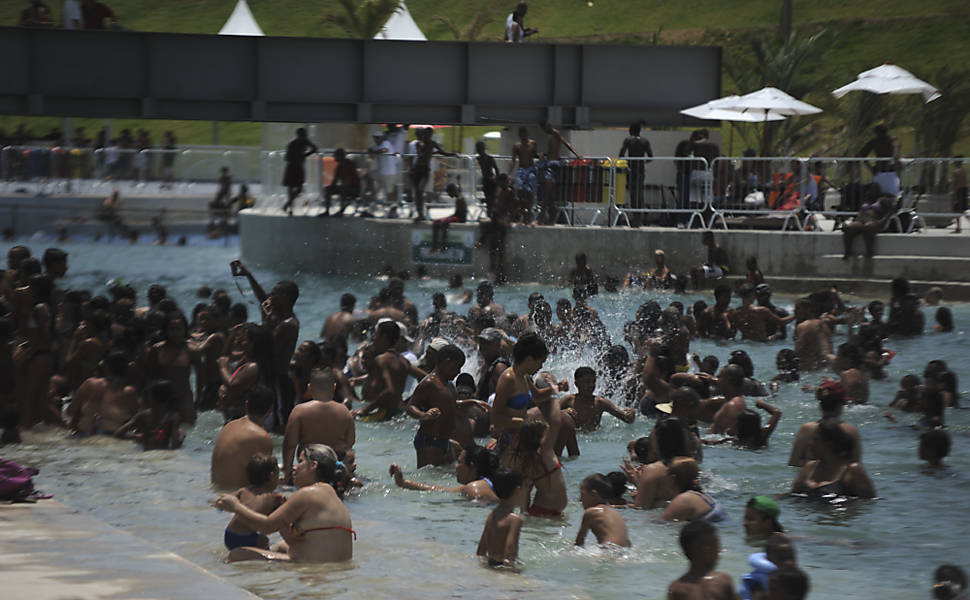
[(784, 192)]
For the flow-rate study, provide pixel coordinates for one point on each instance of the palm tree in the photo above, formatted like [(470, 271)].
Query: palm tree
[(364, 20), (472, 31)]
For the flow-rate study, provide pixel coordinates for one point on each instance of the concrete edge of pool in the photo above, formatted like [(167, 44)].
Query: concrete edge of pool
[(51, 551), (795, 262)]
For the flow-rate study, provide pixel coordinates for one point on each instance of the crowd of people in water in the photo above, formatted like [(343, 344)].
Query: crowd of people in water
[(113, 365)]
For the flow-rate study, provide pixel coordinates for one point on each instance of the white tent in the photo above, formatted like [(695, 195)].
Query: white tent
[(401, 26), (241, 22)]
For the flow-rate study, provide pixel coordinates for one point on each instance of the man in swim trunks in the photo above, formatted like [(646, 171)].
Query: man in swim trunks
[(831, 401), (296, 152), (524, 154), (241, 439), (320, 420), (547, 171), (434, 404), (485, 302), (426, 147)]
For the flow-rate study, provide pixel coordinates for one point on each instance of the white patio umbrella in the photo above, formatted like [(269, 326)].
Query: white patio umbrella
[(889, 79), (720, 110), (770, 100)]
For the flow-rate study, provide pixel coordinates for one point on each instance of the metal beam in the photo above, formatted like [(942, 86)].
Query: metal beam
[(230, 78)]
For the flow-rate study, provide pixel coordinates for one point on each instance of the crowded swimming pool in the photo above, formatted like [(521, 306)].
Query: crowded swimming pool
[(423, 544)]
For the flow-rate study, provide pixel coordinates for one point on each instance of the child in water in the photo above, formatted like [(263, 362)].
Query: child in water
[(500, 538), (263, 474), (701, 546), (605, 522)]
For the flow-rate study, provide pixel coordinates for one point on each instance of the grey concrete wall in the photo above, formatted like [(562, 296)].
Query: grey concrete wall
[(288, 79), (352, 246)]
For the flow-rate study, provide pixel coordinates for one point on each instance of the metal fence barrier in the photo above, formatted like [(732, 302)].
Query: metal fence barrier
[(663, 190), (784, 192)]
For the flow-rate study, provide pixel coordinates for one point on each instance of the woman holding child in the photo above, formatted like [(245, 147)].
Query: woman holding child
[(314, 523)]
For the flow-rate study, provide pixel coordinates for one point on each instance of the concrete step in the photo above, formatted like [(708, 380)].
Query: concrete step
[(923, 268), (49, 551), (863, 289)]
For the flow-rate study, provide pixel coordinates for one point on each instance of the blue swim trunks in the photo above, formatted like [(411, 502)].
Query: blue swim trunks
[(525, 179)]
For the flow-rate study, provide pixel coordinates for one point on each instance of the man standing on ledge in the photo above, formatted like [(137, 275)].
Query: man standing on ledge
[(293, 177)]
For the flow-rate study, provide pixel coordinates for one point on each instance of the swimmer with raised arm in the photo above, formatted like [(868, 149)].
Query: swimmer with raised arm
[(473, 472)]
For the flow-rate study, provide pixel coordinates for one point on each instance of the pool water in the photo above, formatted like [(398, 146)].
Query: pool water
[(414, 544)]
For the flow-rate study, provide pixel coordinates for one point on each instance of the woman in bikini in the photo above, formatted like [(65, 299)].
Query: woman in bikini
[(515, 392), (834, 475), (171, 359), (314, 523), (249, 362), (536, 458), (691, 504)]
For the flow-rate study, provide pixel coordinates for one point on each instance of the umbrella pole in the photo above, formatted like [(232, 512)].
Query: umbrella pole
[(764, 135), (731, 141)]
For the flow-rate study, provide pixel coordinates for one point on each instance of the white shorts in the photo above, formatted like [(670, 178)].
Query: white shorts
[(712, 271)]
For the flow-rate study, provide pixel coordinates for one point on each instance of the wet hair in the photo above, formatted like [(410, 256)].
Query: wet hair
[(439, 301), (909, 381), (685, 396), (899, 287), (260, 469), (722, 290), (484, 461), (685, 471), (671, 435), (451, 352), (389, 330), (259, 400), (792, 581), (693, 534), (455, 281), (329, 468), (787, 360), (203, 292), (830, 432), (504, 482), (635, 128), (936, 441), (529, 345), (952, 574), (741, 358), (734, 374), (583, 372), (944, 318), (617, 481), (599, 483), (348, 301), (749, 429), (29, 266), (641, 447), (530, 438), (156, 292)]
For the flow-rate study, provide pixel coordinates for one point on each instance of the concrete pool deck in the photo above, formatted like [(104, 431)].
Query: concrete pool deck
[(49, 551), (794, 262)]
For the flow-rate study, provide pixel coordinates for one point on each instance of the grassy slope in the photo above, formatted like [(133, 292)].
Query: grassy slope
[(920, 36)]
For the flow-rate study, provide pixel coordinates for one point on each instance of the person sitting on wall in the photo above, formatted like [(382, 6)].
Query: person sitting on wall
[(346, 183)]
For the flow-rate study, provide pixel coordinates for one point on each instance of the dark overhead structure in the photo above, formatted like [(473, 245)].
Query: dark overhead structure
[(230, 78)]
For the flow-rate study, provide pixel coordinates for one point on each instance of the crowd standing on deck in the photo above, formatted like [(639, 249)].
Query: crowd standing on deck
[(111, 365)]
